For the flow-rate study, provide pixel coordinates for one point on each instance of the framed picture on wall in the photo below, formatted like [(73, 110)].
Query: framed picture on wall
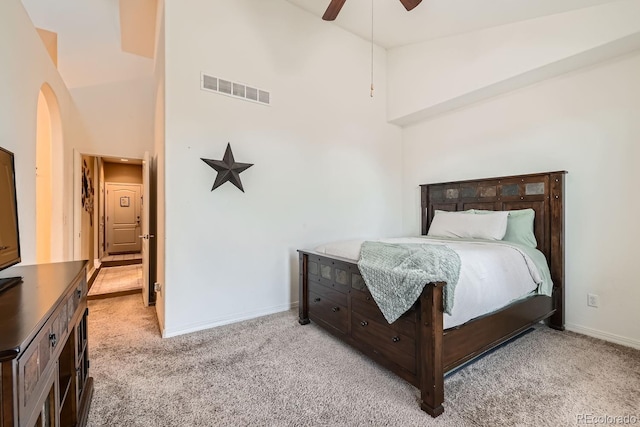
[(124, 201)]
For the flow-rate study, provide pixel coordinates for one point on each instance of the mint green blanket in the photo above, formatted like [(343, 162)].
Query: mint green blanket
[(395, 274)]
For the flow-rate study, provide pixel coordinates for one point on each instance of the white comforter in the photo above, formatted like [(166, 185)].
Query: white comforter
[(492, 274)]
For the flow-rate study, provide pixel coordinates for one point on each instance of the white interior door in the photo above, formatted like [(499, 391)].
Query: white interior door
[(146, 198), (124, 218)]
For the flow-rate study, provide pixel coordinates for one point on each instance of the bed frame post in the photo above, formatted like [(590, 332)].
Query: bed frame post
[(424, 208), (430, 349), (303, 307), (556, 261)]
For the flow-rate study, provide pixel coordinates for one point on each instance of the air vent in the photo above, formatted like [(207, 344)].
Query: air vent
[(263, 97), (234, 89), (252, 93), (225, 86), (209, 82)]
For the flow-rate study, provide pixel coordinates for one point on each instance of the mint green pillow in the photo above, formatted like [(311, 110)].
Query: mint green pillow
[(519, 226)]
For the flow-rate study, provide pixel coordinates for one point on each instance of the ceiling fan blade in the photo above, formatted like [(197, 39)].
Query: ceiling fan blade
[(333, 10), (410, 4)]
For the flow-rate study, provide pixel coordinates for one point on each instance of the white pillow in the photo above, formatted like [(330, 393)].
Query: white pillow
[(491, 226)]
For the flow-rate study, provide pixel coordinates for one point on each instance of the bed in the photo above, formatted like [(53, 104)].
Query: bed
[(416, 346)]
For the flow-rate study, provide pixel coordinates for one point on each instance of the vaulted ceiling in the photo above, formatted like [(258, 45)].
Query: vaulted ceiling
[(95, 40), (394, 26), (98, 42)]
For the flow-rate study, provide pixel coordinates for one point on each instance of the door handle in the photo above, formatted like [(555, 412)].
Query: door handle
[(146, 236)]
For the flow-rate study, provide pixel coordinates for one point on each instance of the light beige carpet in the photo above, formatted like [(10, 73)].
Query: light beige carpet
[(117, 279), (274, 372)]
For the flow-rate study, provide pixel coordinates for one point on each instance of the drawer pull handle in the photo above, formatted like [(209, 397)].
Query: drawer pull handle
[(317, 300), (395, 339), (53, 339), (364, 323), (334, 309)]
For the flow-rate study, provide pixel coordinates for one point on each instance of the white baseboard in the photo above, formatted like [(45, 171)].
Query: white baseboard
[(239, 317), (606, 336)]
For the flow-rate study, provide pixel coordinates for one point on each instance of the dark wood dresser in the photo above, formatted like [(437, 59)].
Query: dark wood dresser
[(44, 363)]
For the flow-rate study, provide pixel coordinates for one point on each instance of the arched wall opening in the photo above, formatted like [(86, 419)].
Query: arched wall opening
[(49, 179)]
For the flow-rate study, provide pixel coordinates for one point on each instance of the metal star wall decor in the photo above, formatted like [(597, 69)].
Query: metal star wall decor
[(228, 169)]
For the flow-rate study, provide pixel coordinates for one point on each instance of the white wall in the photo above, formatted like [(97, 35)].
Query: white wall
[(25, 67), (113, 90), (44, 180), (118, 116), (446, 73), (158, 158), (327, 166), (587, 123)]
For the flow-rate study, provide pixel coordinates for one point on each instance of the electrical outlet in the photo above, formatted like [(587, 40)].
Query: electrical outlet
[(593, 300)]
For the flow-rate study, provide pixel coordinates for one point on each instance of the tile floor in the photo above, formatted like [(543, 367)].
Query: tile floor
[(117, 279), (122, 257)]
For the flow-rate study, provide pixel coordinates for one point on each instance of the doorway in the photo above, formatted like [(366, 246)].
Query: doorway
[(50, 245), (121, 251)]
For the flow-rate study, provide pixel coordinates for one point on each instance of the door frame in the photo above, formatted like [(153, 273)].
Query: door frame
[(146, 228), (77, 214)]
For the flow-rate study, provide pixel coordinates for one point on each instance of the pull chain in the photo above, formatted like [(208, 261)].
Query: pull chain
[(371, 94)]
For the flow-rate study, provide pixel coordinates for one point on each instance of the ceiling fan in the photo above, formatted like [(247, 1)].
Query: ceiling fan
[(335, 6)]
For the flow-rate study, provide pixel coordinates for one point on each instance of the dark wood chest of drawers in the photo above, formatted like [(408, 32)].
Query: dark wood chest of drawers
[(44, 362)]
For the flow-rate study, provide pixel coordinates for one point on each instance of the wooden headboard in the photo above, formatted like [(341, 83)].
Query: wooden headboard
[(542, 192)]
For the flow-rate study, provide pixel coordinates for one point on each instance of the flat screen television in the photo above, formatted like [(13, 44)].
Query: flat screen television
[(9, 233)]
